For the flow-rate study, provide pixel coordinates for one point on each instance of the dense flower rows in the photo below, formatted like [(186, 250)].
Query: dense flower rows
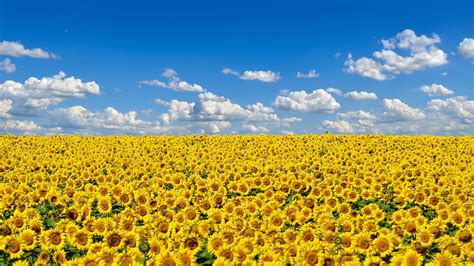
[(251, 200)]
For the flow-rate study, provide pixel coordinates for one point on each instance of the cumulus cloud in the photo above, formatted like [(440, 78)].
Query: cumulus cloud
[(359, 115), (214, 107), (466, 48), (7, 66), (338, 126), (288, 120), (17, 49), (361, 95), (394, 109), (255, 129), (174, 82), (19, 125), (459, 107), (211, 107), (318, 101), (365, 67), (311, 74), (109, 120), (260, 112), (423, 53), (213, 127), (436, 90), (5, 106), (40, 93), (335, 91), (260, 75)]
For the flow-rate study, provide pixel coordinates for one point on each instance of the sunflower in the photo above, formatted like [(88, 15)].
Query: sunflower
[(104, 204), (444, 259), (129, 257), (347, 243), (89, 260), (100, 226), (14, 246), (457, 218), (43, 258), (59, 257), (107, 257), (17, 222), (28, 239), (464, 235), (412, 258), (21, 263), (228, 255), (312, 257), (410, 227), (54, 239), (363, 243), (156, 246), (167, 258), (215, 244), (192, 243), (82, 239), (382, 246), (425, 238), (204, 228), (347, 258), (114, 239), (185, 258)]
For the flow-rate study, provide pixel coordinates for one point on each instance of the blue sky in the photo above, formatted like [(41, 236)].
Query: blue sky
[(230, 67)]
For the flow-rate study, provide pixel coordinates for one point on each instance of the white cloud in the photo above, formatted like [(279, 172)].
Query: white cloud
[(19, 125), (147, 111), (407, 39), (365, 67), (311, 74), (337, 55), (255, 129), (213, 127), (459, 107), (436, 90), (444, 74), (110, 120), (58, 85), (361, 95), (338, 126), (423, 54), (17, 49), (209, 107), (214, 107), (259, 112), (394, 109), (178, 110), (260, 75), (300, 101), (40, 93), (5, 106), (174, 82), (288, 120), (228, 71), (335, 91), (361, 115), (466, 48), (7, 66)]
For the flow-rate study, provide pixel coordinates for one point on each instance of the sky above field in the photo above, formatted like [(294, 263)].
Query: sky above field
[(236, 67)]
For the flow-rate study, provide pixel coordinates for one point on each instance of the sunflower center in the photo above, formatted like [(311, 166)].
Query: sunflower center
[(55, 238), (114, 240), (311, 257), (14, 246)]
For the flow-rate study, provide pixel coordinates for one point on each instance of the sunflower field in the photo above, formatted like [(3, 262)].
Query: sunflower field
[(236, 200)]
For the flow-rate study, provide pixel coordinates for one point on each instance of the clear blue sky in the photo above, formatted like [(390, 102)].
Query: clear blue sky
[(420, 82)]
